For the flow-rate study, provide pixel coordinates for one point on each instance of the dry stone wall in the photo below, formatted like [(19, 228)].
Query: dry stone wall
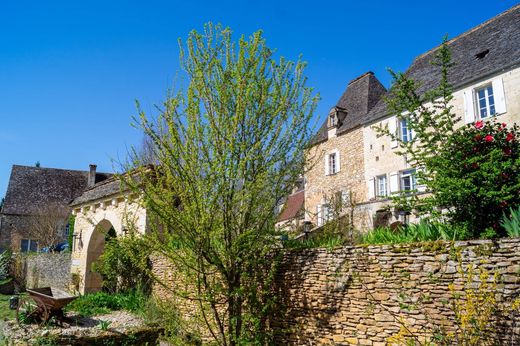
[(362, 295)]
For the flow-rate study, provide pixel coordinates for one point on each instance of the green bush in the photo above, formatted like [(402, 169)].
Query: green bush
[(477, 176), (413, 233), (512, 223), (124, 265), (102, 303)]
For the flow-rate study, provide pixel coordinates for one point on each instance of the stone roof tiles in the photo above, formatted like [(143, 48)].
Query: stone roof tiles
[(31, 189)]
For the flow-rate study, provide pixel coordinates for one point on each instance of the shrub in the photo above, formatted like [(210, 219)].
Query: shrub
[(512, 223), (102, 303), (124, 265), (478, 176), (423, 231)]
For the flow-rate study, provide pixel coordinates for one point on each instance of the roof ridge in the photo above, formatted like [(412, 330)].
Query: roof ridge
[(469, 31), (57, 169), (368, 73)]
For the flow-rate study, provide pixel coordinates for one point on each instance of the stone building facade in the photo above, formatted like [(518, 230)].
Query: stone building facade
[(335, 166), (486, 79)]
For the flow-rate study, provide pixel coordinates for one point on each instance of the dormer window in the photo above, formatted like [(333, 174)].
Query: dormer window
[(333, 120)]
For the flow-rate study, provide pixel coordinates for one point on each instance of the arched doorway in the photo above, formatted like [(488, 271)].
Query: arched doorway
[(103, 230)]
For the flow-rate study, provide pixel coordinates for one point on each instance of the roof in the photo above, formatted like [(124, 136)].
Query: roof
[(31, 189), (109, 187), (497, 40), (112, 186), (293, 206), (359, 97)]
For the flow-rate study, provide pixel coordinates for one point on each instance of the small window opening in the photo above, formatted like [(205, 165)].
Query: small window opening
[(482, 54)]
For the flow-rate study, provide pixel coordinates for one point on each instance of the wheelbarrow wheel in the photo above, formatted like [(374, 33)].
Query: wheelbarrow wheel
[(26, 311), (44, 313)]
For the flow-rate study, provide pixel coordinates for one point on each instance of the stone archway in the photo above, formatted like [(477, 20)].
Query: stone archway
[(101, 208), (93, 281)]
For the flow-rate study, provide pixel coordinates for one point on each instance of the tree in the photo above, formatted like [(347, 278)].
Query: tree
[(228, 148), (471, 171), (47, 224)]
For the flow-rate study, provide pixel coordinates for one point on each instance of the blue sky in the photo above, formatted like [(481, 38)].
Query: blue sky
[(71, 71)]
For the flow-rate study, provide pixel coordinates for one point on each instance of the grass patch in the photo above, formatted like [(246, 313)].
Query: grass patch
[(5, 312), (103, 303), (321, 241)]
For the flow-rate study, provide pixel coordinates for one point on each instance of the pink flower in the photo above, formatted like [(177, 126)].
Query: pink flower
[(504, 125), (479, 124), (488, 138), (510, 137)]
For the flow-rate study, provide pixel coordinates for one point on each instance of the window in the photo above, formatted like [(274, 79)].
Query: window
[(28, 245), (381, 186), (485, 102), (333, 120), (332, 163), (404, 131), (324, 214), (408, 180)]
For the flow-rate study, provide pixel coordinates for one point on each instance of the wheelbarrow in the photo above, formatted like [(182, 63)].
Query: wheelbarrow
[(43, 304)]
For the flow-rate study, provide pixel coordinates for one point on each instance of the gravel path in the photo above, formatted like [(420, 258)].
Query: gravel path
[(119, 323)]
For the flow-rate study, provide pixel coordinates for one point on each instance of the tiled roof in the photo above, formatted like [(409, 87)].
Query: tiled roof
[(103, 189), (359, 97), (293, 206), (31, 189)]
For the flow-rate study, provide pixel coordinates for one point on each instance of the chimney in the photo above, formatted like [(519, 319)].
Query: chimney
[(91, 175)]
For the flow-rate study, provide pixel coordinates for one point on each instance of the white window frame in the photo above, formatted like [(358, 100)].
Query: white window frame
[(409, 173), (324, 214), (488, 107), (381, 186), (332, 168), (471, 100), (405, 132), (29, 243)]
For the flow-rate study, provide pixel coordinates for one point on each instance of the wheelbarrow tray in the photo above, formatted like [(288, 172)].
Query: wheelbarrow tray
[(53, 298)]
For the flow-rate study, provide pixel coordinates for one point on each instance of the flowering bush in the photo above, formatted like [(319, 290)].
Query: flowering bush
[(477, 176)]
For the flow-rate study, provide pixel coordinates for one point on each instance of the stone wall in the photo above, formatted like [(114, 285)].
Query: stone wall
[(357, 295), (362, 295), (48, 269)]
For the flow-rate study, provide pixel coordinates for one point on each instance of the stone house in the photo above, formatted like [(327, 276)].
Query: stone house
[(32, 194), (335, 160), (292, 212), (347, 154)]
